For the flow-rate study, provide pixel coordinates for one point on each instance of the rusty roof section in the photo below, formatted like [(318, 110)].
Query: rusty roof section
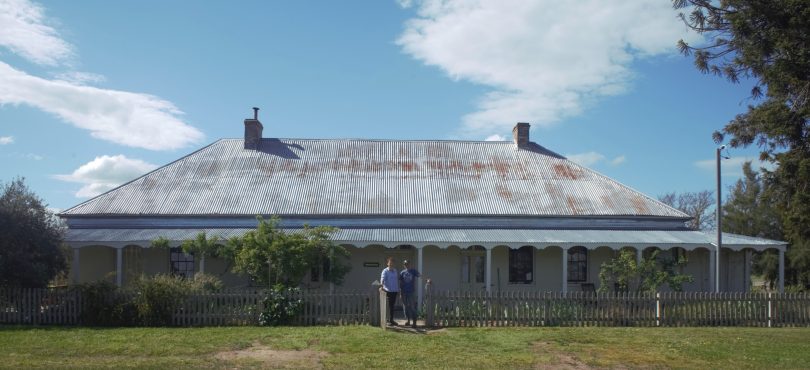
[(373, 177)]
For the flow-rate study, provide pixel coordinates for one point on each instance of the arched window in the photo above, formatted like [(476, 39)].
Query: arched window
[(577, 264), (521, 265)]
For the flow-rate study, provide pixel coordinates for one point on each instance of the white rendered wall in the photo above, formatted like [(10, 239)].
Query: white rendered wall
[(733, 271), (443, 266), (548, 269), (96, 263)]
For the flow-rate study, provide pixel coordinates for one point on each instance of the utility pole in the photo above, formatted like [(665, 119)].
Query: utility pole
[(719, 223)]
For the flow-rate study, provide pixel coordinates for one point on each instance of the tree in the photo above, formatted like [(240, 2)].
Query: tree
[(30, 239), (698, 205), (767, 41), (203, 246), (625, 274), (271, 256), (749, 211)]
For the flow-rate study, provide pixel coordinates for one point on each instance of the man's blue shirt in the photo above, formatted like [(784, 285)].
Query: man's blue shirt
[(407, 280)]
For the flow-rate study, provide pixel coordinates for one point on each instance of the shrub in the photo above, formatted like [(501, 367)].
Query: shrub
[(794, 288), (104, 304), (205, 283), (150, 301), (159, 296), (280, 306)]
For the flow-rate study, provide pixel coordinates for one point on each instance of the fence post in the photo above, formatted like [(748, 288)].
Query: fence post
[(770, 309), (657, 309), (374, 304), (429, 309), (383, 308)]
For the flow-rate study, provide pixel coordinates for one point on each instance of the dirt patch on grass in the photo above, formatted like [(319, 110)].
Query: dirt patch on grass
[(275, 358), (435, 331), (558, 360)]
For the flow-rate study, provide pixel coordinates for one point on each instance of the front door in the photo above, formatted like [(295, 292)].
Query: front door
[(473, 269)]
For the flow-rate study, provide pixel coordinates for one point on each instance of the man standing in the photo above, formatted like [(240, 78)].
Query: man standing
[(390, 283), (407, 284)]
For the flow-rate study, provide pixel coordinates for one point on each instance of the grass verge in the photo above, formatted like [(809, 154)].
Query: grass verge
[(368, 347)]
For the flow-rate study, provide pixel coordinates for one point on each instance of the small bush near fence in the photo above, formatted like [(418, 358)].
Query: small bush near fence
[(157, 298), (280, 306), (149, 301), (104, 304)]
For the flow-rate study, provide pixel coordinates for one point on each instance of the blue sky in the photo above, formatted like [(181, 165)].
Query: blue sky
[(95, 93)]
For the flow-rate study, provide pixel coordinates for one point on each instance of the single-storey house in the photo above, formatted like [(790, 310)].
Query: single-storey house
[(472, 215)]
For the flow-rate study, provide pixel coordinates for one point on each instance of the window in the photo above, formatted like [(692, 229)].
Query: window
[(521, 265), (317, 272), (677, 253), (181, 264), (577, 264), (473, 265)]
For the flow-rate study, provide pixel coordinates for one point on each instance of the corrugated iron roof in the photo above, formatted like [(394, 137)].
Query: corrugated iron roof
[(373, 177), (455, 236)]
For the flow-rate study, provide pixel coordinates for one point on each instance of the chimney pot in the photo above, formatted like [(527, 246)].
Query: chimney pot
[(253, 131), (520, 134)]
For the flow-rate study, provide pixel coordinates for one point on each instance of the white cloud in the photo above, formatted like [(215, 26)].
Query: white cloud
[(733, 166), (495, 137), (80, 78), (105, 173), (24, 32), (405, 3), (126, 118), (132, 119), (5, 140), (31, 156), (618, 160), (593, 158), (586, 159), (544, 59)]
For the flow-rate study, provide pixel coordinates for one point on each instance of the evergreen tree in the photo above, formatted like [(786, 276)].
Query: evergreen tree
[(30, 239), (766, 41), (749, 211)]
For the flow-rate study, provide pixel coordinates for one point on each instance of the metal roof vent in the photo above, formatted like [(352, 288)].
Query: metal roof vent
[(253, 131)]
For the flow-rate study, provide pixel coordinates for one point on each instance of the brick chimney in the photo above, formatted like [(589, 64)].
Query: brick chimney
[(253, 131), (520, 135)]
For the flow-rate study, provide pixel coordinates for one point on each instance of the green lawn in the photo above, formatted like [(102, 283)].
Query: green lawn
[(368, 347)]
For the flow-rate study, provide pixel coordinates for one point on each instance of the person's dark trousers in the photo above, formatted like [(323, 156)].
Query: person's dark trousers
[(392, 299), (409, 304)]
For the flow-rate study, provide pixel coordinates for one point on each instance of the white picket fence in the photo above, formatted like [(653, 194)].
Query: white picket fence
[(447, 309), (453, 309), (244, 307), (28, 306)]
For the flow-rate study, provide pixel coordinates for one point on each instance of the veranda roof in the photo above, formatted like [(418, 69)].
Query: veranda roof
[(687, 239)]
